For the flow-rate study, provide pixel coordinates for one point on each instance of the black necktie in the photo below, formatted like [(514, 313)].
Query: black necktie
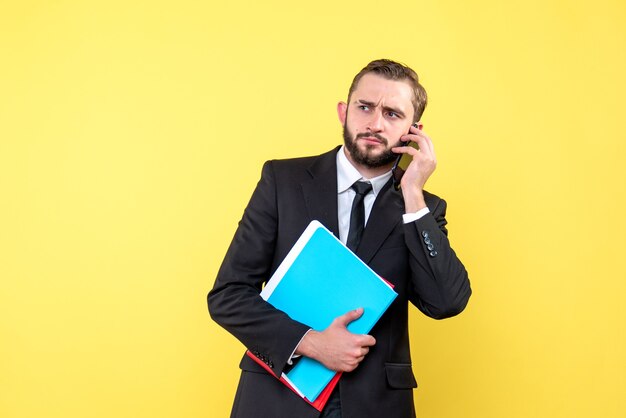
[(357, 218)]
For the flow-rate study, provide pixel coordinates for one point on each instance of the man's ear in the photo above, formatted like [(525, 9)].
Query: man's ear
[(342, 111)]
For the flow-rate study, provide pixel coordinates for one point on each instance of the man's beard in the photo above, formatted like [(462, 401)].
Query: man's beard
[(363, 157)]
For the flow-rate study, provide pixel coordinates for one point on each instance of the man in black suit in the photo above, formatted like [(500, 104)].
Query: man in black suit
[(401, 235)]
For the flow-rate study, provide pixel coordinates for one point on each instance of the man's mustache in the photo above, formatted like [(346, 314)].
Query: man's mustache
[(372, 135)]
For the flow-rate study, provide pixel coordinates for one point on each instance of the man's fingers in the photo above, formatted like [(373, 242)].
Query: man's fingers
[(366, 340), (418, 136), (344, 350), (405, 150), (426, 143), (348, 317), (415, 130)]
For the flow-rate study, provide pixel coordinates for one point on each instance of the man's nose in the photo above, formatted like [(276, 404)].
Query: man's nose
[(376, 122)]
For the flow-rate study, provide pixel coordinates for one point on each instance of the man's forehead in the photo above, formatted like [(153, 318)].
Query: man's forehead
[(374, 88)]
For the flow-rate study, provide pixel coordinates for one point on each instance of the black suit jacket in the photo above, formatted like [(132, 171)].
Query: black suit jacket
[(415, 257)]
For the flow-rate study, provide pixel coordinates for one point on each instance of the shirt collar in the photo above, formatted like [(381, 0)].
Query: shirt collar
[(347, 174)]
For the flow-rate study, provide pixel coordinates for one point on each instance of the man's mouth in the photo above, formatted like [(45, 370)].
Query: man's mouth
[(372, 139)]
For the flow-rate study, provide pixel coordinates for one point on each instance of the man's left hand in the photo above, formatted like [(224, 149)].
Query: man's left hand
[(419, 170)]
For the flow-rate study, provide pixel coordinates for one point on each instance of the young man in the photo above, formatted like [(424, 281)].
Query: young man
[(401, 235)]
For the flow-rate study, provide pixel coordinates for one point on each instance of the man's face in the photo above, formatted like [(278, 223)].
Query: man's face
[(379, 113)]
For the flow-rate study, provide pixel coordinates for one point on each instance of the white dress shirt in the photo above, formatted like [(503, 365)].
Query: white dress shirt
[(347, 174)]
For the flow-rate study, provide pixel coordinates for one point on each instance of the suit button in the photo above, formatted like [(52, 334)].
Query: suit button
[(430, 247), (427, 241), (433, 253), (425, 234)]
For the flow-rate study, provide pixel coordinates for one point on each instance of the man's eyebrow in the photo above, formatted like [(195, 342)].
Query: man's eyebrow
[(398, 111), (387, 108), (366, 103)]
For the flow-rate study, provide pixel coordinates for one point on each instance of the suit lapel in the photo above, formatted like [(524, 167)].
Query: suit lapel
[(320, 196), (386, 214), (320, 191)]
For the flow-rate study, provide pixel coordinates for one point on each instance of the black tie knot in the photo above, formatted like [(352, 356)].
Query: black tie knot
[(362, 188)]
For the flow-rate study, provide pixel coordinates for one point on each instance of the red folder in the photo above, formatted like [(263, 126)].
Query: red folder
[(323, 397)]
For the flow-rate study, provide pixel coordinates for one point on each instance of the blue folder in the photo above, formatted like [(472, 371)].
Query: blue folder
[(319, 280)]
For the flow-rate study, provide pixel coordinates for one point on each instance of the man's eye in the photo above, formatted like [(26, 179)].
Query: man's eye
[(363, 107), (393, 114)]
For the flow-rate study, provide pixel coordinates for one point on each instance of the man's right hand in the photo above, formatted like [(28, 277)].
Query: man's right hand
[(336, 347)]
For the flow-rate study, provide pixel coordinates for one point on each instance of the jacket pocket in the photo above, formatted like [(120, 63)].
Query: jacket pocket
[(400, 376)]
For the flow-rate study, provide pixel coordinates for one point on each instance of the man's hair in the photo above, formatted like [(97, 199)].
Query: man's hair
[(392, 70)]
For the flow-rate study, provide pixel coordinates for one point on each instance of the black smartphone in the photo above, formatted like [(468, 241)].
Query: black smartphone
[(402, 162)]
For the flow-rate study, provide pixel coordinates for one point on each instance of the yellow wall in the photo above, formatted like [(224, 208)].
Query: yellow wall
[(120, 123)]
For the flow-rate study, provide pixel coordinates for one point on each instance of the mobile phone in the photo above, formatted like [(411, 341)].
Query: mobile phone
[(402, 162)]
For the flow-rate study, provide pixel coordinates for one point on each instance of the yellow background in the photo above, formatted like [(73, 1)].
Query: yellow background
[(132, 134)]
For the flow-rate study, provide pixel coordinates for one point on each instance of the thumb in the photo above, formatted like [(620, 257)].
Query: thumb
[(348, 317)]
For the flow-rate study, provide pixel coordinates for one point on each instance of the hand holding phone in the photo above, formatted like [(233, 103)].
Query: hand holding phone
[(403, 160)]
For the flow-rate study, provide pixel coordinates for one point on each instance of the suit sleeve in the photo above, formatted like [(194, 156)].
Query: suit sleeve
[(440, 286), (234, 302)]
